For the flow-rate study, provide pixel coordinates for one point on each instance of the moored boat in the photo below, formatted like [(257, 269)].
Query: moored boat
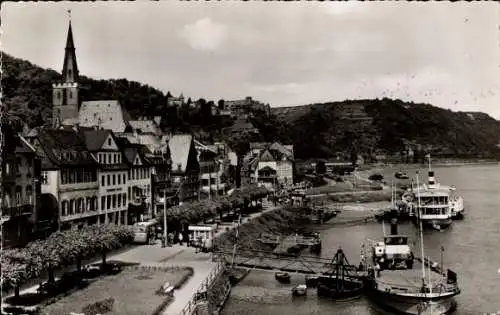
[(439, 204), (340, 282), (283, 277), (402, 283), (299, 290)]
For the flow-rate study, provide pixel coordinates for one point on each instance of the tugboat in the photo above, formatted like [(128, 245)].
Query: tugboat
[(404, 284)]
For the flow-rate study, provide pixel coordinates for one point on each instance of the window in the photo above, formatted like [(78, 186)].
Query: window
[(103, 181), (114, 179), (103, 202), (109, 180), (64, 207), (115, 159), (119, 179), (124, 199), (70, 94), (108, 202), (125, 178), (119, 201), (109, 139), (45, 178), (114, 201), (71, 207), (129, 194), (18, 166), (19, 194), (104, 158), (29, 194)]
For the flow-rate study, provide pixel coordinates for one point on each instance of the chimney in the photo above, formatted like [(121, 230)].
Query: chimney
[(394, 226), (431, 180)]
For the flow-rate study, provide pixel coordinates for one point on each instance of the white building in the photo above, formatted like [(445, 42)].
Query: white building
[(112, 175)]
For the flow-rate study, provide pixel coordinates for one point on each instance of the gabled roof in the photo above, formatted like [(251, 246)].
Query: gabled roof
[(180, 146), (95, 138), (24, 147), (107, 114), (132, 150), (63, 147)]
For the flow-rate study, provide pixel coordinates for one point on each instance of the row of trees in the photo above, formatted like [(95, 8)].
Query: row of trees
[(194, 212), (60, 249)]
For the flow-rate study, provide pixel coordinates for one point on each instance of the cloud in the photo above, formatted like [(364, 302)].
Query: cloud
[(204, 34)]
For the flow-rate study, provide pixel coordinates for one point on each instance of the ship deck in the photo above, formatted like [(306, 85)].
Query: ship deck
[(410, 280)]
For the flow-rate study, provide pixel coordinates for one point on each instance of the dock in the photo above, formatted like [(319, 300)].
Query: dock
[(307, 265), (290, 244)]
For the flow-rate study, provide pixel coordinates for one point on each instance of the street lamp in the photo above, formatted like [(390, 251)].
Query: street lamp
[(165, 216)]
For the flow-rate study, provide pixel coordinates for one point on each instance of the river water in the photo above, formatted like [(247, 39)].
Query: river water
[(472, 249)]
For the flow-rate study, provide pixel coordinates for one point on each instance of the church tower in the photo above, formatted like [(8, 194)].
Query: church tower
[(65, 98)]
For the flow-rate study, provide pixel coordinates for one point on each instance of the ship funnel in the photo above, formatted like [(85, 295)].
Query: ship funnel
[(394, 226), (431, 180)]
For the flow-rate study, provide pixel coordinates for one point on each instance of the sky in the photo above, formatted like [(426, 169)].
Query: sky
[(281, 53)]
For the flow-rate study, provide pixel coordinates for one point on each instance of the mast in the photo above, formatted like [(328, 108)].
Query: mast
[(420, 231)]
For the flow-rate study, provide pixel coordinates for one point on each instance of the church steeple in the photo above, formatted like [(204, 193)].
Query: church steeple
[(70, 67), (65, 94)]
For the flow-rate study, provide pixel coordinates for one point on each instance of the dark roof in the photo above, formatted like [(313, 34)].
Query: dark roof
[(95, 138), (64, 147)]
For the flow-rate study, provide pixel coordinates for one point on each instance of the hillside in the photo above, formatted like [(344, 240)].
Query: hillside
[(317, 130), (28, 91), (389, 125)]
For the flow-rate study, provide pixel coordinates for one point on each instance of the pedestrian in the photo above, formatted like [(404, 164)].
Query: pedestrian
[(180, 238)]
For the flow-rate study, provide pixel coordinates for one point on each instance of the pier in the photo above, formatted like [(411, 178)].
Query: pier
[(290, 244), (262, 260)]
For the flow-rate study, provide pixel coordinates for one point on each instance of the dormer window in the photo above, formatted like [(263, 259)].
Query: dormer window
[(109, 141)]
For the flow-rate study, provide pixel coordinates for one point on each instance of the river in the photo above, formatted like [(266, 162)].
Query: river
[(472, 249)]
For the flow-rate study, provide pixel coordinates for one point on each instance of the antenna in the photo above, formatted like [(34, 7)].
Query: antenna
[(419, 209)]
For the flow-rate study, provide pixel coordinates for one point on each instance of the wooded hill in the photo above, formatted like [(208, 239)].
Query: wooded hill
[(316, 130)]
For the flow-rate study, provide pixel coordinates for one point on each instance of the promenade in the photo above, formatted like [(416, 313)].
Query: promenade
[(174, 256)]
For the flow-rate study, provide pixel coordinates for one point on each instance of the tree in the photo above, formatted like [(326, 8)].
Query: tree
[(221, 104), (320, 168)]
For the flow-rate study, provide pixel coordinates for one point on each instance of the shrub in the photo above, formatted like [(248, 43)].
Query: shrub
[(100, 307)]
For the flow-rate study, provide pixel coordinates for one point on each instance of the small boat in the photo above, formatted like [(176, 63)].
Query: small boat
[(299, 290), (283, 277), (401, 175)]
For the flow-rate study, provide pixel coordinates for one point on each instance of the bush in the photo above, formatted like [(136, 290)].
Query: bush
[(101, 307)]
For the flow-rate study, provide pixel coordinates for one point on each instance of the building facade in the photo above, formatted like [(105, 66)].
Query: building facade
[(185, 170), (20, 189), (69, 175), (112, 175)]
